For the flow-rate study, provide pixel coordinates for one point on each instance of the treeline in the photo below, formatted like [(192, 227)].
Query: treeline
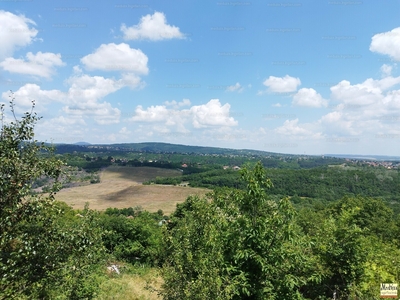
[(96, 158), (244, 245), (328, 183)]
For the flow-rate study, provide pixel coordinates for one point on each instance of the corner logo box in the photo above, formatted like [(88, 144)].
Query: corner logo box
[(388, 290)]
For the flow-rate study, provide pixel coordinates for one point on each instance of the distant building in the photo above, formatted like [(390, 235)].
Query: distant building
[(184, 166)]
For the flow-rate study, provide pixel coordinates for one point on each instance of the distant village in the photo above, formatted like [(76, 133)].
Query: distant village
[(377, 163)]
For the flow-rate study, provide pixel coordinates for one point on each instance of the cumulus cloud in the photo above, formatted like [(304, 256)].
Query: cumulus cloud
[(81, 99), (363, 108), (292, 128), (91, 88), (16, 31), (29, 92), (113, 57), (357, 95), (235, 88), (152, 27), (282, 84), (308, 98), (157, 113), (387, 43), (66, 129), (211, 114), (39, 64)]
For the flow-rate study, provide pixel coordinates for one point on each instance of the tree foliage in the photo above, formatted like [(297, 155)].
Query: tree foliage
[(239, 245), (42, 255)]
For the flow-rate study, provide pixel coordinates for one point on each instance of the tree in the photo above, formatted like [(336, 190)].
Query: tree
[(238, 245), (40, 252)]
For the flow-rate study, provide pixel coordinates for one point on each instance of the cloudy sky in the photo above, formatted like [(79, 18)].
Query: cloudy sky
[(311, 77)]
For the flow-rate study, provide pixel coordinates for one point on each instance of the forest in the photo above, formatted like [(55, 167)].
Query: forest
[(262, 233)]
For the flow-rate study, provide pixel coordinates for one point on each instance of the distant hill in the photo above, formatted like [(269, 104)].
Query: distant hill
[(154, 147)]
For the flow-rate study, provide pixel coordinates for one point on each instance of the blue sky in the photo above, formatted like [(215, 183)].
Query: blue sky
[(301, 77)]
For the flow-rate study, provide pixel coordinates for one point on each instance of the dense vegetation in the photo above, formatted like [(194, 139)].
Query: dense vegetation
[(45, 250), (247, 240), (243, 245)]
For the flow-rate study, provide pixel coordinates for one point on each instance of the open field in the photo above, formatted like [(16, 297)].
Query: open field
[(132, 287), (121, 187)]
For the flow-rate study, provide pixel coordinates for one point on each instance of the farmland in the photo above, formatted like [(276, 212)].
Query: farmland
[(121, 187)]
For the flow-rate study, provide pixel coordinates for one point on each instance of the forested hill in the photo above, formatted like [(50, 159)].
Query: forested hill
[(154, 147)]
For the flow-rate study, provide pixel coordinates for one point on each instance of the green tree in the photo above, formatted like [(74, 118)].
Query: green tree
[(40, 252), (239, 245)]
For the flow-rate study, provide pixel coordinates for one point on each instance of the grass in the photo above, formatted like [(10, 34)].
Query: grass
[(142, 286), (121, 187)]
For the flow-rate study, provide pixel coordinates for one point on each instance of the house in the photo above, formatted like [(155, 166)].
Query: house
[(184, 166)]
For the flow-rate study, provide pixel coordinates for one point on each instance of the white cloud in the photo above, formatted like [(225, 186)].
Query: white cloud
[(308, 98), (16, 31), (82, 99), (337, 123), (277, 105), (39, 64), (293, 129), (356, 96), (363, 108), (113, 57), (151, 27), (91, 88), (211, 114), (387, 43), (282, 84), (131, 80), (235, 88), (66, 129), (85, 92), (29, 92), (158, 113)]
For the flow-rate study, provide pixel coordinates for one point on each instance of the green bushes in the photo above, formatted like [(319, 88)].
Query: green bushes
[(134, 240), (43, 251)]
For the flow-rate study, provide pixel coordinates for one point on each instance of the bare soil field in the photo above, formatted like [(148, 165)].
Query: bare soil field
[(121, 187)]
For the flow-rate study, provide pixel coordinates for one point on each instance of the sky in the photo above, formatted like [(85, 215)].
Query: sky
[(299, 77)]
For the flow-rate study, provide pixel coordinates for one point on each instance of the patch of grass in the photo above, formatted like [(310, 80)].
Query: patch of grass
[(142, 285)]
